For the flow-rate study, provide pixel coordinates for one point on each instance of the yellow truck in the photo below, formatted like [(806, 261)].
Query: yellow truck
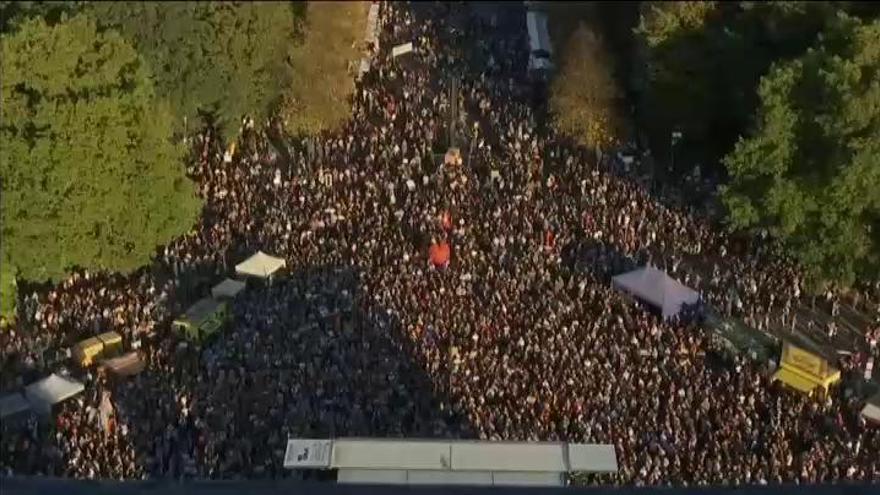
[(106, 345), (203, 319), (805, 370), (87, 351), (112, 344)]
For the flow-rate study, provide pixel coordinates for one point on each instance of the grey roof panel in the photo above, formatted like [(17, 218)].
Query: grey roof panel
[(508, 456), (390, 454), (592, 458), (372, 476), (474, 478), (519, 478)]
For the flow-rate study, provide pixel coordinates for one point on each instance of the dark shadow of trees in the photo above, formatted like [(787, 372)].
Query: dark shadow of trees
[(308, 355)]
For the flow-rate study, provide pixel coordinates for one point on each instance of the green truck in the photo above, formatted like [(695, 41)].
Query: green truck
[(204, 319)]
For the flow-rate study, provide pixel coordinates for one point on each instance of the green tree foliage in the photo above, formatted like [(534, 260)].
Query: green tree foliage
[(705, 60), (323, 77), (14, 13), (810, 171), (683, 60), (584, 98), (8, 294), (223, 59), (664, 21), (90, 177)]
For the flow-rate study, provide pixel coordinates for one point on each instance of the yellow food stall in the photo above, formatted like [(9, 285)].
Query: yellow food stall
[(203, 319), (805, 370), (112, 344), (85, 351)]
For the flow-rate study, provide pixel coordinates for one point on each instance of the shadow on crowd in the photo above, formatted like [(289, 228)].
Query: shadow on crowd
[(308, 355)]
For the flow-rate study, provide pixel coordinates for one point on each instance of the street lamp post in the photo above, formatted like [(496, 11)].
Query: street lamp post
[(675, 137)]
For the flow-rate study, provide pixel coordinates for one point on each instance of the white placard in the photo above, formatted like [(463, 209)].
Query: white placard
[(401, 49), (307, 453)]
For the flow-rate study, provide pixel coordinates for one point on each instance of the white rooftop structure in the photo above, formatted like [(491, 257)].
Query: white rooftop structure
[(393, 461), (51, 390), (304, 453), (656, 288), (871, 411), (227, 288), (592, 458), (478, 478), (260, 265)]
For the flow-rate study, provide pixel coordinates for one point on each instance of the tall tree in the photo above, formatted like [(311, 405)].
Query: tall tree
[(223, 59), (90, 177), (705, 60), (810, 170), (682, 62), (13, 13), (8, 294), (584, 97), (318, 97)]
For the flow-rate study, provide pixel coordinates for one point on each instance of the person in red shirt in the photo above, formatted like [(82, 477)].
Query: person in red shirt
[(440, 254), (446, 220), (549, 240)]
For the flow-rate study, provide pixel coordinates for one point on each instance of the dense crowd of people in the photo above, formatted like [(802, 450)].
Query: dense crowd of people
[(519, 337)]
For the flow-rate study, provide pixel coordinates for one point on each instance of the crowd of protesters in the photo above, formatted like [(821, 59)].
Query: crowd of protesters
[(518, 337)]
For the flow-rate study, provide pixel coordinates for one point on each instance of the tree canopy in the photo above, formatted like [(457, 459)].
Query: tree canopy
[(8, 294), (705, 60), (323, 78), (584, 97), (90, 176), (13, 13), (810, 170), (223, 59)]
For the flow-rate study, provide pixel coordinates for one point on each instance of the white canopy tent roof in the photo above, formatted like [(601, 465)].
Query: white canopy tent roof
[(656, 288), (871, 411), (227, 288), (13, 404), (50, 391), (260, 265)]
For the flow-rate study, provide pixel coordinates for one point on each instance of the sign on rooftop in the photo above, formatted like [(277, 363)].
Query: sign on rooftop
[(308, 453)]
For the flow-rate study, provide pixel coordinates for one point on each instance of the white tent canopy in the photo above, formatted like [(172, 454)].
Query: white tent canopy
[(227, 288), (871, 411), (260, 265), (50, 391), (656, 288), (13, 404)]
